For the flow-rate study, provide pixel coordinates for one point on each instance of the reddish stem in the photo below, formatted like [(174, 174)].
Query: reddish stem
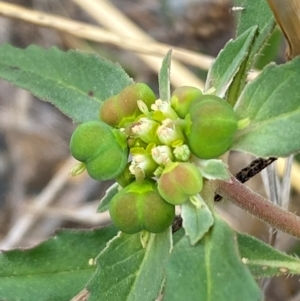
[(260, 207)]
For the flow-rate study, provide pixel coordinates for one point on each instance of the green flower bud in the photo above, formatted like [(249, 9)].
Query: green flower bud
[(103, 149), (139, 207), (122, 109), (183, 97), (179, 181), (182, 152), (145, 129), (77, 169), (214, 124)]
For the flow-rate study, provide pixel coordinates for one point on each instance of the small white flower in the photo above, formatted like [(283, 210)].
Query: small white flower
[(162, 154), (169, 132), (145, 129), (142, 165), (165, 108)]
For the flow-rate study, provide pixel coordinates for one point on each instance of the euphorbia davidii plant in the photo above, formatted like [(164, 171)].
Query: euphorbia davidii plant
[(163, 151)]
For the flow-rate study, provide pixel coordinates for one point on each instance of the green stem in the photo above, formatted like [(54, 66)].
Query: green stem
[(260, 207)]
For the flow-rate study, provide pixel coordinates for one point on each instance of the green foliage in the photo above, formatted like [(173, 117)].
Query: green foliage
[(269, 52), (164, 78), (127, 271), (272, 104), (255, 13), (258, 14), (265, 261), (211, 269), (57, 269), (76, 83), (196, 220), (214, 169), (110, 193), (229, 61)]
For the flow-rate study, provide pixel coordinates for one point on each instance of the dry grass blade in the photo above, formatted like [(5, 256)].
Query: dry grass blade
[(24, 223), (180, 74), (295, 172), (104, 12), (97, 34), (287, 14), (82, 296), (84, 213)]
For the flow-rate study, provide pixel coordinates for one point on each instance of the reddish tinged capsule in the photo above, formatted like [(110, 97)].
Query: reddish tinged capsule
[(122, 109), (179, 181), (183, 97), (139, 207)]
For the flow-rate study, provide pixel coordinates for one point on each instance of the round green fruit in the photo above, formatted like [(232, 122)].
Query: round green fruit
[(103, 149), (183, 97), (122, 109), (138, 207), (179, 181), (213, 126)]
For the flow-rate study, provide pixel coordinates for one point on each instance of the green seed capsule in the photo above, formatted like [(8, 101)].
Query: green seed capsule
[(183, 97), (139, 207), (214, 124), (101, 148), (122, 109), (179, 181)]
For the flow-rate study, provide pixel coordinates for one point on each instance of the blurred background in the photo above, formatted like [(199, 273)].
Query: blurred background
[(37, 195)]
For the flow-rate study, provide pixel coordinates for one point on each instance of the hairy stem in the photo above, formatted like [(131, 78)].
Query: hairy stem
[(260, 207)]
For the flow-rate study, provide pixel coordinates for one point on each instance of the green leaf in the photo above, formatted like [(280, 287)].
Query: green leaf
[(76, 83), (196, 221), (210, 270), (127, 271), (177, 235), (164, 78), (213, 169), (269, 52), (265, 261), (57, 269), (109, 194), (228, 62), (255, 13), (273, 105)]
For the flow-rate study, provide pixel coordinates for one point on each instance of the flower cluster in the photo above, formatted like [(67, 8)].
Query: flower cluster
[(149, 146)]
